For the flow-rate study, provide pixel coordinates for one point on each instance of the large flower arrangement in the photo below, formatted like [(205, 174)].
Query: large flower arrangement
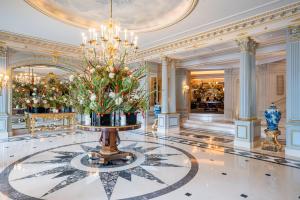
[(49, 93), (109, 86)]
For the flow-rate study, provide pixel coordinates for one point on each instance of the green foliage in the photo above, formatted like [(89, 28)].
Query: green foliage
[(50, 92), (108, 87)]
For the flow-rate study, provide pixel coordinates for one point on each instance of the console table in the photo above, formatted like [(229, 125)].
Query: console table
[(31, 119)]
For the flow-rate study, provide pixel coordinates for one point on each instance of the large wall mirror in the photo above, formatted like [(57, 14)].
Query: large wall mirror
[(39, 89)]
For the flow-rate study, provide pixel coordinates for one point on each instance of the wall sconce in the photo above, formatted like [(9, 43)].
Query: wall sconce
[(186, 87), (3, 81)]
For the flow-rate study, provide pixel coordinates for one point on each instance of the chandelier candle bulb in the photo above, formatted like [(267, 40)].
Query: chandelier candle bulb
[(125, 35), (131, 37), (90, 33), (135, 40), (102, 31), (96, 37)]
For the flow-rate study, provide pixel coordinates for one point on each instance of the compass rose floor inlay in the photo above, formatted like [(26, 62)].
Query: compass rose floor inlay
[(57, 167)]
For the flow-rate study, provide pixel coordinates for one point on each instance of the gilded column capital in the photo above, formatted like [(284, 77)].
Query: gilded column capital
[(293, 33), (247, 44), (165, 60), (3, 49)]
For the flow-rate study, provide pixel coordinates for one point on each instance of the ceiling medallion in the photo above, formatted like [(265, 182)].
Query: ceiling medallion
[(136, 15)]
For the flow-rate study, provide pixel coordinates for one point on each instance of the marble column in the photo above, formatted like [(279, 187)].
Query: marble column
[(172, 94), (247, 131), (183, 92), (293, 92), (4, 96), (228, 94), (143, 118), (168, 122), (164, 86)]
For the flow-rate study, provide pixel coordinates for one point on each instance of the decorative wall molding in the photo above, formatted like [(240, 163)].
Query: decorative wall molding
[(283, 17), (33, 44), (196, 41), (294, 33), (63, 63), (3, 49)]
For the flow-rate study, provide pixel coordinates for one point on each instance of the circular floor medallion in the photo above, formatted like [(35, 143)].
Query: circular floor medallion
[(63, 173)]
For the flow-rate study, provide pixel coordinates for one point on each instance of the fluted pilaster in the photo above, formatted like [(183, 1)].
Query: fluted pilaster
[(293, 74), (247, 78), (172, 84), (3, 70), (4, 94), (293, 92), (247, 132), (164, 85)]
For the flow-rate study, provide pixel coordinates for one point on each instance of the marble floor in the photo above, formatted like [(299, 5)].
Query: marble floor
[(189, 165)]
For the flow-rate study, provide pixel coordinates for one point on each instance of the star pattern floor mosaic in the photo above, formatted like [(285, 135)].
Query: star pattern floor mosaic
[(183, 166)]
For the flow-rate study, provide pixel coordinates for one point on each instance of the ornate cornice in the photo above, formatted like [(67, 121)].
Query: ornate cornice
[(63, 63), (33, 44), (294, 33), (164, 60), (247, 44), (3, 49), (276, 15)]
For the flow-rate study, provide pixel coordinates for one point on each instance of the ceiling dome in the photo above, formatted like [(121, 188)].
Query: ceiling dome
[(135, 15)]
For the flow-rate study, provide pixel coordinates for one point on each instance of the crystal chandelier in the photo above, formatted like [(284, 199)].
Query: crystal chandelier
[(28, 77), (3, 80), (110, 42)]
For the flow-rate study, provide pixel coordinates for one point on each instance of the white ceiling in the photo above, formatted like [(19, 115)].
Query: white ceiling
[(88, 13), (19, 17)]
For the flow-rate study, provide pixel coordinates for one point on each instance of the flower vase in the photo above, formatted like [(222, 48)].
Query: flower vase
[(87, 120), (123, 120), (131, 118), (34, 110), (157, 111), (272, 115), (271, 143), (105, 120), (95, 119)]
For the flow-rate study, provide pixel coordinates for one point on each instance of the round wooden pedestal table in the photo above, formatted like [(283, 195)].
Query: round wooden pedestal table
[(109, 140)]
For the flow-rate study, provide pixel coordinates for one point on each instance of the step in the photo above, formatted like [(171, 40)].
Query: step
[(224, 127), (206, 117), (214, 126)]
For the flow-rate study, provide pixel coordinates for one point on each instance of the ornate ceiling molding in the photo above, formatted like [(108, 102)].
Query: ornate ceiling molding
[(230, 32), (294, 33), (75, 17), (233, 29), (3, 49), (27, 43), (62, 63)]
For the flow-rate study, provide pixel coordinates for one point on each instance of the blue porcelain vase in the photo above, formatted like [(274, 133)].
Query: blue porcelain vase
[(157, 110), (272, 115)]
